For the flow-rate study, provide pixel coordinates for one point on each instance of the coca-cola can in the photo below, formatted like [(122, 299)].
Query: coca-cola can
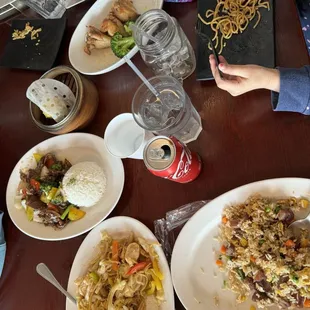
[(168, 158)]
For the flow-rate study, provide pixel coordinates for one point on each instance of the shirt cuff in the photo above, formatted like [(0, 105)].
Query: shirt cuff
[(294, 91)]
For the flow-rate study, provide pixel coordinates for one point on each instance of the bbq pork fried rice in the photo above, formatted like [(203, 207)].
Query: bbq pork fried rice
[(262, 258), (124, 276)]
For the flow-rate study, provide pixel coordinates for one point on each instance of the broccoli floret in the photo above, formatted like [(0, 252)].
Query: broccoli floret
[(128, 28), (121, 46)]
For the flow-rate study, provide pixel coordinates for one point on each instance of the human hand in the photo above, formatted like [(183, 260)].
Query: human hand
[(239, 79)]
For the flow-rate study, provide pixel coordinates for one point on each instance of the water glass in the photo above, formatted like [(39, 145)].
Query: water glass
[(169, 114), (49, 9), (163, 45)]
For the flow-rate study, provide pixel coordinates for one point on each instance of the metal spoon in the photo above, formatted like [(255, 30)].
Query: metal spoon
[(45, 273), (298, 225)]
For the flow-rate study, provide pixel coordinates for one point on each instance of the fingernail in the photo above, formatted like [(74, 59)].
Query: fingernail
[(222, 66)]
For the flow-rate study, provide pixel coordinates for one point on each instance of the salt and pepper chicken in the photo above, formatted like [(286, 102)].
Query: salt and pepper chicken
[(122, 11)]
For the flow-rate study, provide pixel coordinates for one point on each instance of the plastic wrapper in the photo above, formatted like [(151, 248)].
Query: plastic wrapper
[(167, 229), (54, 98)]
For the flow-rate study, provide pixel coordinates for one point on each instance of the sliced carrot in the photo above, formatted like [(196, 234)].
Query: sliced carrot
[(115, 255), (289, 243), (307, 303), (252, 259), (223, 249), (224, 220), (219, 263)]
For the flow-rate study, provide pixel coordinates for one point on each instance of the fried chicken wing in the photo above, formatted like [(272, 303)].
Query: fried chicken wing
[(124, 10), (95, 39), (111, 25)]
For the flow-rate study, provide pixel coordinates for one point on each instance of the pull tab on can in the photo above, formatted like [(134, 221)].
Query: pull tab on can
[(159, 154)]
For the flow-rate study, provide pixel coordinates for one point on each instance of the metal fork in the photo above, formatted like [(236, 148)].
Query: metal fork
[(205, 37)]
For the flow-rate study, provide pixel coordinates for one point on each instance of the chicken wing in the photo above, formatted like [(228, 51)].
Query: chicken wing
[(95, 39), (111, 25), (124, 10)]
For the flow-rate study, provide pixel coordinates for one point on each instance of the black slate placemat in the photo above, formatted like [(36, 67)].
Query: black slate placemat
[(34, 54), (253, 46)]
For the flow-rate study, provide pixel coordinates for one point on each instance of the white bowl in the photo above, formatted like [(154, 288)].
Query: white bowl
[(76, 147), (103, 60)]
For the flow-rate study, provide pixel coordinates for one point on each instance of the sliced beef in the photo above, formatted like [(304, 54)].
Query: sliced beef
[(286, 216), (265, 285), (67, 165), (259, 276), (234, 223), (52, 218), (284, 304), (283, 279), (258, 296), (35, 202), (299, 300), (249, 282)]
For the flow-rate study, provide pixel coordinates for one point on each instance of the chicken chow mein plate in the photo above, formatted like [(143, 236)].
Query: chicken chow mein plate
[(120, 266), (243, 254)]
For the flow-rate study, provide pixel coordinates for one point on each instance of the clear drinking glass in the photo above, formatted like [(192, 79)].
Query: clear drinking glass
[(170, 52), (172, 114), (49, 9)]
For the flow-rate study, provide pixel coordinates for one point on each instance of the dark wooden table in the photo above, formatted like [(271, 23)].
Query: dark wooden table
[(242, 141)]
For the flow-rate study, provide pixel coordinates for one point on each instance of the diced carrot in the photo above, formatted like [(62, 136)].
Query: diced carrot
[(219, 263), (224, 220), (115, 255), (252, 259), (307, 303), (223, 249), (289, 243)]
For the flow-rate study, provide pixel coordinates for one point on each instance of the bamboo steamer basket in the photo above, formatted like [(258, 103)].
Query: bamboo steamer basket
[(83, 110)]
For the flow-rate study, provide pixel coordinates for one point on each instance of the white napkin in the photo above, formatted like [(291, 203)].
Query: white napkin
[(54, 98)]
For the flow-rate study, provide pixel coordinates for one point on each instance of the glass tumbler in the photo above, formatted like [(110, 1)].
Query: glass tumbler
[(49, 9), (163, 45), (169, 114)]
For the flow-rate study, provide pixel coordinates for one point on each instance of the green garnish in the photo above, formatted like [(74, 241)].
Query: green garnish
[(277, 209), (240, 274), (295, 278), (57, 167), (261, 241), (72, 181), (267, 209)]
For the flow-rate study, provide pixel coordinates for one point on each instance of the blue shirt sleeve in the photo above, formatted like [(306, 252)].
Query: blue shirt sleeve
[(294, 95)]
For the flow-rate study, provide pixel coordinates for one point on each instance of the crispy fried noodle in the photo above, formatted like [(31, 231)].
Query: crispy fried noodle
[(232, 17), (123, 276), (261, 257)]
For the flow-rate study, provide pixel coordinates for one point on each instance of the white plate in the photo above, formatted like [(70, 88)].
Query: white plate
[(194, 248), (117, 226), (101, 61), (76, 147)]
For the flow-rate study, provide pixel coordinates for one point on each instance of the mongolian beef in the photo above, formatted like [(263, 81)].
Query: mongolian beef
[(40, 193), (262, 257)]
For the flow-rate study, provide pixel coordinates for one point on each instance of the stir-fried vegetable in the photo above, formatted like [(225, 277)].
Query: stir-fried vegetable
[(115, 255), (137, 267), (105, 286), (75, 214), (41, 190), (35, 184)]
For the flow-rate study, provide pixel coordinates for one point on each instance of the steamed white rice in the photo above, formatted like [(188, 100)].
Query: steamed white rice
[(84, 184)]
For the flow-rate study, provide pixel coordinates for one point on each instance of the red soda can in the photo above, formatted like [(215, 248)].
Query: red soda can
[(170, 159)]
